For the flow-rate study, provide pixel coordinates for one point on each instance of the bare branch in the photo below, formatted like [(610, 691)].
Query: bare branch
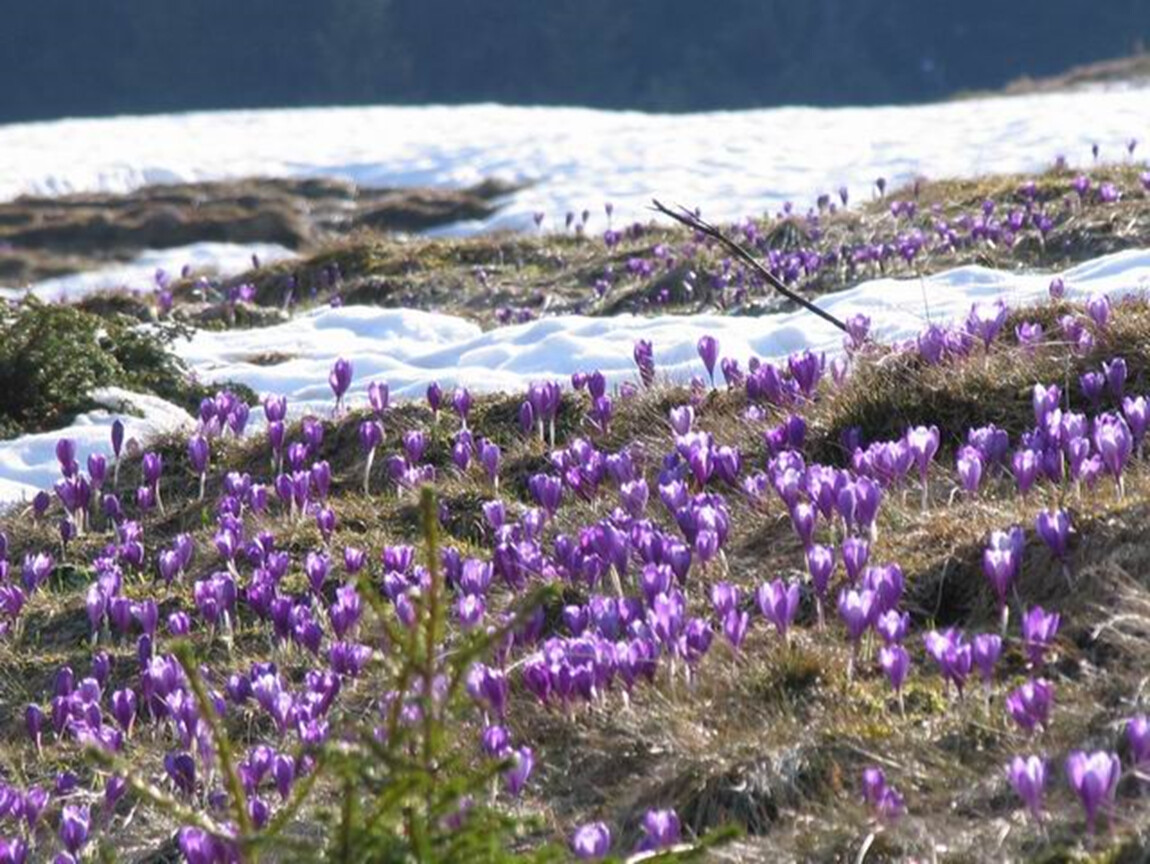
[(685, 217)]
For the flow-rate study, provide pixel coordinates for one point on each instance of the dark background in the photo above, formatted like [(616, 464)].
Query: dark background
[(95, 57)]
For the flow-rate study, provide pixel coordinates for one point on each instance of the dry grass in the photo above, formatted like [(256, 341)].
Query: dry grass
[(555, 273), (774, 740)]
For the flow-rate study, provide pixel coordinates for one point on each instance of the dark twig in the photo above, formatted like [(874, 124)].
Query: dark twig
[(685, 217)]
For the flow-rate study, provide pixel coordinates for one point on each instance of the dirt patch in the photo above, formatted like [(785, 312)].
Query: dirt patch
[(43, 237)]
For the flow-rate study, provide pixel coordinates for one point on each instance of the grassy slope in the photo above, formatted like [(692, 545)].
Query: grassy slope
[(775, 740), (473, 277)]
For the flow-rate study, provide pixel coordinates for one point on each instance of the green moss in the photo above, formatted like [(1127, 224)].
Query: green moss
[(52, 356), (50, 360)]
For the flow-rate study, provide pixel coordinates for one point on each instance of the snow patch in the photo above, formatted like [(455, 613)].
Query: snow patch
[(409, 349), (28, 463), (732, 164)]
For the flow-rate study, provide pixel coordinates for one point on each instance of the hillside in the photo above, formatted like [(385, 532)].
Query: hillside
[(255, 609)]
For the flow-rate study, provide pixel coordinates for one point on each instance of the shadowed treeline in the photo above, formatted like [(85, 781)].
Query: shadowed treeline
[(59, 57)]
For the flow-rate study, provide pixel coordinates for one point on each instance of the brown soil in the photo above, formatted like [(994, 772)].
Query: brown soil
[(42, 237)]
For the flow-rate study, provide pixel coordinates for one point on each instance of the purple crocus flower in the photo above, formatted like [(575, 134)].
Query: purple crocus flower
[(1045, 399), (892, 626), (895, 663), (858, 329), (709, 353), (1137, 413), (199, 847), (1092, 384), (66, 456), (931, 344), (821, 565), (34, 723), (1025, 465), (1081, 184), (806, 368), (1027, 776), (199, 452), (461, 450), (953, 655), (645, 359), (75, 822), (735, 624), (1029, 704), (856, 553), (15, 851), (873, 783), (547, 490), (803, 518), (1114, 442), (1001, 562), (724, 598), (544, 398), (661, 830), (378, 395), (489, 457), (179, 624), (1094, 779), (434, 397), (1029, 335), (1138, 738), (370, 437), (633, 495), (1054, 529), (152, 465), (470, 609), (923, 444), (969, 467), (42, 501), (275, 408), (986, 320), (1115, 372), (461, 404), (681, 419), (591, 842), (496, 741), (779, 603), (1057, 288), (856, 608), (515, 777), (124, 709), (985, 649), (1039, 628), (284, 772), (991, 442), (883, 799), (1098, 308), (340, 380)]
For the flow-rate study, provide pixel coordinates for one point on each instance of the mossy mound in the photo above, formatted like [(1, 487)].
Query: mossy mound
[(53, 356)]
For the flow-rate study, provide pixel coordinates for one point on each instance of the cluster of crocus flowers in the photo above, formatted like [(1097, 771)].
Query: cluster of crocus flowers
[(1093, 777), (886, 803), (638, 538)]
